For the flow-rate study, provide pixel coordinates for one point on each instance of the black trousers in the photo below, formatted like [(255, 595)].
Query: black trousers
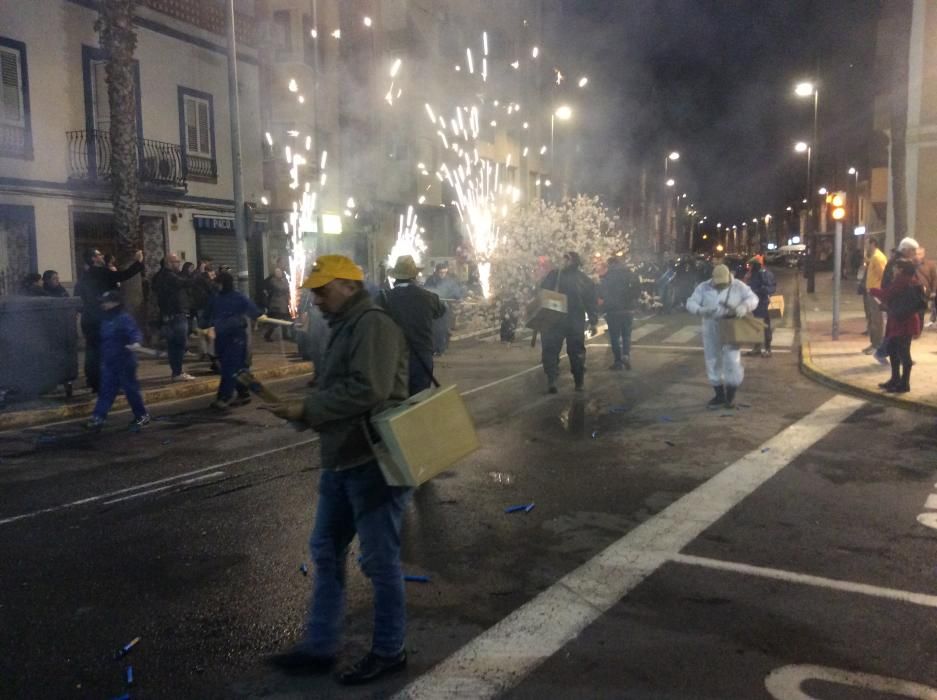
[(899, 354), (421, 371), (552, 339), (91, 330)]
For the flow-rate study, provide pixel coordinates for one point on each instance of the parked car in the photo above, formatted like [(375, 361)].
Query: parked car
[(790, 255)]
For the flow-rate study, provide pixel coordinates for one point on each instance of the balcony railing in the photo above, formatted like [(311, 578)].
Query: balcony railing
[(159, 164)]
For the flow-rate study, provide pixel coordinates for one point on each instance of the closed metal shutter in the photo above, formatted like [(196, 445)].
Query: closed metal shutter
[(220, 246)]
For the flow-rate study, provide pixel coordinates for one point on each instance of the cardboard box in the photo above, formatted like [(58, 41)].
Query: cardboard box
[(747, 330), (548, 308), (776, 306), (423, 436)]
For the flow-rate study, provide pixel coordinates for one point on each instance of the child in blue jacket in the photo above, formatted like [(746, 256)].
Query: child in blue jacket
[(119, 335), (227, 313)]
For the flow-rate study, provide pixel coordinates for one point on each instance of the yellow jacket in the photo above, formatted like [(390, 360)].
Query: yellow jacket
[(875, 270)]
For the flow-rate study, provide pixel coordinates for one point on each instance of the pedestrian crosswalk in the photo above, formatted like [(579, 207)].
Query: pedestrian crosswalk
[(653, 334)]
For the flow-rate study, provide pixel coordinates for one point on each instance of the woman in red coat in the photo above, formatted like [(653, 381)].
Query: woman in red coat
[(901, 328)]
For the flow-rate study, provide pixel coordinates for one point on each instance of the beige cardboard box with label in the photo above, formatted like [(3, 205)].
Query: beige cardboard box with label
[(423, 436), (548, 308)]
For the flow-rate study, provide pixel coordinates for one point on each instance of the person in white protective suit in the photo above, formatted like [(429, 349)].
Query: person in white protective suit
[(714, 299)]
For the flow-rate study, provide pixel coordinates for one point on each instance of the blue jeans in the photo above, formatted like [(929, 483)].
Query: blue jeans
[(357, 501), (619, 332), (176, 332), (117, 374)]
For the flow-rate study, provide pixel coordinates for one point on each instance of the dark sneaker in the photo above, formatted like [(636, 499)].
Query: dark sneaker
[(887, 386), (766, 353), (299, 662), (220, 405), (239, 401), (626, 361), (580, 386), (372, 667), (141, 421), (551, 388), (94, 424), (898, 389), (617, 366)]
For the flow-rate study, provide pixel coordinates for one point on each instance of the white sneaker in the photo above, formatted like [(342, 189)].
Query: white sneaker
[(184, 377)]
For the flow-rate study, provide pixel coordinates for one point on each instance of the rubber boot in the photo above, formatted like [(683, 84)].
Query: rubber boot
[(730, 396), (719, 399)]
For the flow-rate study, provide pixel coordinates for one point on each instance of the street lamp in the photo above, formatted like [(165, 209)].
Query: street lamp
[(670, 182), (806, 89), (822, 191), (564, 113)]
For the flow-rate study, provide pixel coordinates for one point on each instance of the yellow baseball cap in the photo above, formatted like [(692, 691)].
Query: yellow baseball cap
[(332, 267)]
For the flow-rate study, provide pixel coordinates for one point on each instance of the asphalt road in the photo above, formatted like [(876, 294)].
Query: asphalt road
[(673, 552)]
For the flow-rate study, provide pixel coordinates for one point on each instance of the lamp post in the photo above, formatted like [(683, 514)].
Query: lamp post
[(807, 89), (666, 228), (564, 113)]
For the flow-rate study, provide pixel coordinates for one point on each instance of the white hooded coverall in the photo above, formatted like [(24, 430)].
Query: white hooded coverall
[(723, 362)]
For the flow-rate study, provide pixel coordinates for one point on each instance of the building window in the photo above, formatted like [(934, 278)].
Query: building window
[(281, 34), (197, 134), (15, 130)]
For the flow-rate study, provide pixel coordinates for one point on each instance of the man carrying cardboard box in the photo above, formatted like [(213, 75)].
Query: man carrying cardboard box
[(581, 300), (364, 372)]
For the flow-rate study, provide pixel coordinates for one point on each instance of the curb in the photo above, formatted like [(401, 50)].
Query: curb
[(155, 395), (810, 370)]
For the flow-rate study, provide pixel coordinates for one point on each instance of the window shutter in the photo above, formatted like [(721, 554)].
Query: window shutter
[(11, 106), (204, 138), (191, 126)]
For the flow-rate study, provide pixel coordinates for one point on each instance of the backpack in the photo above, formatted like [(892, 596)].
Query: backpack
[(768, 283), (911, 300)]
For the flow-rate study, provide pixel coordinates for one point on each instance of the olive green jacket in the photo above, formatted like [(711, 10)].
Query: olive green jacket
[(364, 371)]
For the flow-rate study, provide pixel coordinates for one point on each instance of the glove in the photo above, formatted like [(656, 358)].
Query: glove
[(741, 312), (593, 330), (707, 312)]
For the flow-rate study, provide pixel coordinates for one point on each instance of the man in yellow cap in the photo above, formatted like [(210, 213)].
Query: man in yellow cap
[(364, 372)]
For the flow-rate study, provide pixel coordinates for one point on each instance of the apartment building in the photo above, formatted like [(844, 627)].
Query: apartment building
[(55, 196), (329, 74)]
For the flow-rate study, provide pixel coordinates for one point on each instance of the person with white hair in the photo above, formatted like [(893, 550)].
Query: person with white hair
[(906, 250), (715, 299)]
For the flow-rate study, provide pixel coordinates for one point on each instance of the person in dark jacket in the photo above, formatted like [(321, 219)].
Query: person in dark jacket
[(172, 296), (364, 372), (620, 290), (31, 285), (227, 315), (51, 284), (277, 300), (414, 309), (119, 336), (763, 284), (581, 301), (900, 329), (448, 289), (96, 280)]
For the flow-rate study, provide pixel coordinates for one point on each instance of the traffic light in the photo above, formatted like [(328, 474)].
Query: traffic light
[(836, 204)]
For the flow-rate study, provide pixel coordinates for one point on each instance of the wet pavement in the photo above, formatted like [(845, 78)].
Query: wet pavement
[(191, 533)]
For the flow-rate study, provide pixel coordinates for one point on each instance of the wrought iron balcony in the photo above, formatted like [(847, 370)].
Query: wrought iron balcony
[(159, 164)]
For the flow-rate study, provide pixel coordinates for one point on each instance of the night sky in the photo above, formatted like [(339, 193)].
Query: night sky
[(714, 80)]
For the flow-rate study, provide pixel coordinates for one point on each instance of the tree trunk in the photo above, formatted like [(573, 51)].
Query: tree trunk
[(119, 40), (897, 34)]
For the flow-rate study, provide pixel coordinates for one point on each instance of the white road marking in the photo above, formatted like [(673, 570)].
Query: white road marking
[(193, 480), (785, 683), (175, 477), (674, 348), (931, 502), (502, 656), (644, 330), (929, 601), (684, 335), (928, 520)]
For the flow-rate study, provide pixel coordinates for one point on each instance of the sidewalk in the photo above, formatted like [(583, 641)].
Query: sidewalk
[(274, 360), (841, 365)]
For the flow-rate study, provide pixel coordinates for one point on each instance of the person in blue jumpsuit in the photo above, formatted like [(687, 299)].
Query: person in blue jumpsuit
[(226, 315), (119, 336)]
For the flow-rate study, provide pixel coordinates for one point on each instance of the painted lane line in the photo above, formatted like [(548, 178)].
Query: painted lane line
[(684, 335), (175, 477), (931, 502), (929, 601), (644, 330), (505, 654), (177, 484), (675, 348), (785, 683), (783, 337)]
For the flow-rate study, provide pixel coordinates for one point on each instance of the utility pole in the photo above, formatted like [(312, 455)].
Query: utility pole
[(240, 225), (837, 275)]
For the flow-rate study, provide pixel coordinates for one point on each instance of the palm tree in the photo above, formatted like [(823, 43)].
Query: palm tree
[(895, 35), (119, 40)]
